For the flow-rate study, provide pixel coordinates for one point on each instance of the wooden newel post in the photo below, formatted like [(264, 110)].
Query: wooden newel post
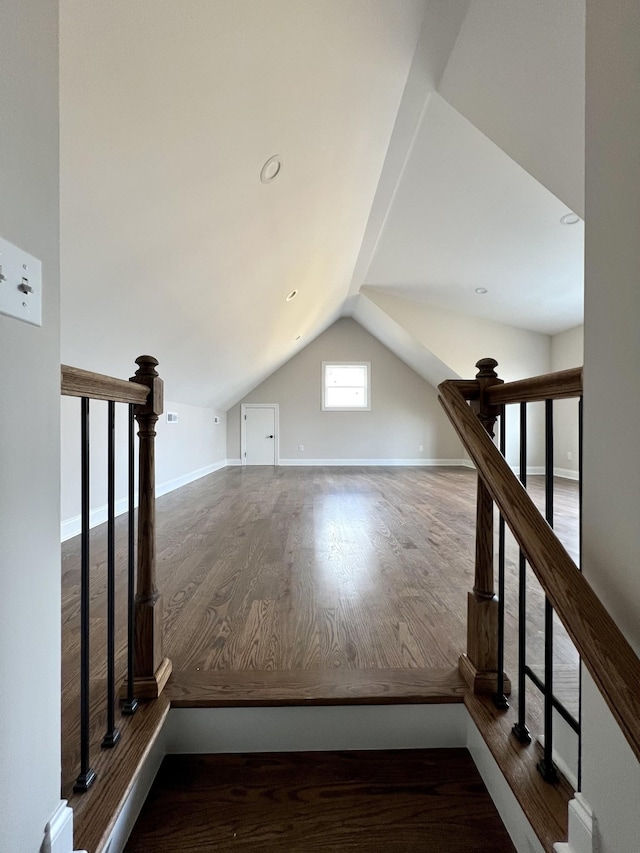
[(480, 664), (151, 668)]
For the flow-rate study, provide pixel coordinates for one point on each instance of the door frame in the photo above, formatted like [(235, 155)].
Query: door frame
[(276, 428)]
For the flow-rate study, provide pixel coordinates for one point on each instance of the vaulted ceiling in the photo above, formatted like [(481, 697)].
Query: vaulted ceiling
[(427, 148)]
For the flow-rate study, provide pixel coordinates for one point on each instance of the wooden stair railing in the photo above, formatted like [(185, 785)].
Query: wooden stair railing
[(148, 669), (612, 663)]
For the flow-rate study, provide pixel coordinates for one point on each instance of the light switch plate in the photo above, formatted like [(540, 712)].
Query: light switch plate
[(21, 287)]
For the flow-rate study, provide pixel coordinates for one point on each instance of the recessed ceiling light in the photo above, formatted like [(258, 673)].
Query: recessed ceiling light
[(271, 169), (481, 290), (291, 295), (570, 219)]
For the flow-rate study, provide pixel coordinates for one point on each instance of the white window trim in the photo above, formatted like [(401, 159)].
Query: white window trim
[(366, 364)]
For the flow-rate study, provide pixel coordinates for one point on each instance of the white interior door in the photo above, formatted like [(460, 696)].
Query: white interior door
[(260, 438)]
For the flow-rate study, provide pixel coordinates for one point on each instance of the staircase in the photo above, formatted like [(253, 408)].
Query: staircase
[(300, 802)]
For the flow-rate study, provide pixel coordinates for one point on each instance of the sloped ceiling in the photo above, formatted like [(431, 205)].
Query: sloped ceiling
[(517, 72), (464, 216), (171, 245), (170, 242)]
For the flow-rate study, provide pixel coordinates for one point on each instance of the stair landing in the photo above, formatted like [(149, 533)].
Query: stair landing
[(406, 800)]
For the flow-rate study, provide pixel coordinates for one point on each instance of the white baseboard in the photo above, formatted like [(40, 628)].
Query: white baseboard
[(566, 473), (58, 833), (524, 838), (136, 796), (582, 828), (185, 479), (232, 462), (538, 470), (534, 470), (315, 728), (71, 527), (420, 462)]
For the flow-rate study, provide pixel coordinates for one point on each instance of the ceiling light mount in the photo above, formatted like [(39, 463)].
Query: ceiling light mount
[(271, 169), (570, 219), (481, 290), (291, 295)]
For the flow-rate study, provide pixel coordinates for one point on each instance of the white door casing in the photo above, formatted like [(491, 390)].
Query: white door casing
[(259, 429)]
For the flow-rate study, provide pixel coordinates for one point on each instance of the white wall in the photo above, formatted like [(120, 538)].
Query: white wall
[(460, 340), (567, 350), (404, 408), (186, 450), (611, 543), (29, 434)]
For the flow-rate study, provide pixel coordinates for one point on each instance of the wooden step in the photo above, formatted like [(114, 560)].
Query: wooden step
[(307, 802), (544, 804), (216, 689), (96, 811)]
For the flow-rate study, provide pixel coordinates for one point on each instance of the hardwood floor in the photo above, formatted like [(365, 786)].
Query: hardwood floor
[(315, 570), (296, 571), (411, 800)]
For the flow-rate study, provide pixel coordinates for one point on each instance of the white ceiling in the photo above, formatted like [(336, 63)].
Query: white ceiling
[(517, 71), (466, 216), (170, 244)]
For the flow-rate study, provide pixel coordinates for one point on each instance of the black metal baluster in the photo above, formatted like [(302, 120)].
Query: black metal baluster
[(112, 735), (520, 728), (499, 697), (87, 775), (131, 703), (546, 765)]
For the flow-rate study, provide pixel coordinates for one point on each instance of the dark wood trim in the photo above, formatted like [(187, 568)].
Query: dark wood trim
[(551, 386), (75, 382), (605, 652)]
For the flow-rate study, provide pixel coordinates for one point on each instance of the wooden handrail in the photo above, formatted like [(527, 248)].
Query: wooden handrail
[(551, 386), (611, 661), (75, 382), (561, 385)]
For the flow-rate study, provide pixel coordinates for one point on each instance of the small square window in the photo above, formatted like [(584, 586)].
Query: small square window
[(346, 386)]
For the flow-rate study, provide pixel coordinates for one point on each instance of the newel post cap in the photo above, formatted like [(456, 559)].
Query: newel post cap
[(146, 374), (486, 368)]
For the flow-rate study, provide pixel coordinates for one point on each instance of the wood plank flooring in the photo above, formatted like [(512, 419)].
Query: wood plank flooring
[(412, 800), (303, 571), (316, 570)]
